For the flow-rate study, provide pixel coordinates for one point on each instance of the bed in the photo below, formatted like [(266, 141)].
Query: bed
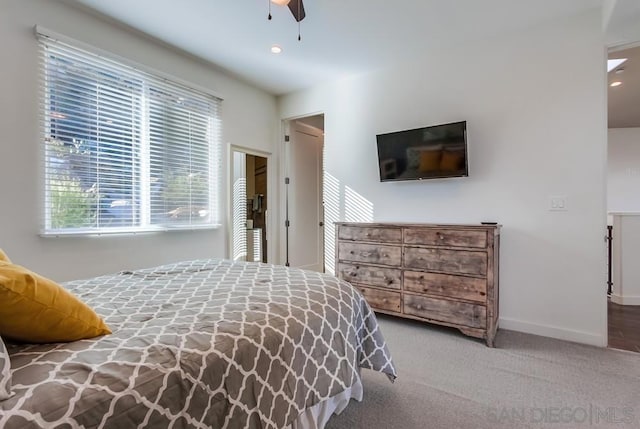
[(203, 344)]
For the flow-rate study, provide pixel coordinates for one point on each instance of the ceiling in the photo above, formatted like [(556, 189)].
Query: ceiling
[(346, 37), (622, 22), (624, 100), (339, 37), (623, 37)]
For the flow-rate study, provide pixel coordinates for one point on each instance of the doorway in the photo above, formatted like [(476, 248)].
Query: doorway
[(303, 193), (249, 209), (623, 205)]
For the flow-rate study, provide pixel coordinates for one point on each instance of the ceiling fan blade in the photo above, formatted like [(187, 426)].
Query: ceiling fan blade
[(298, 13)]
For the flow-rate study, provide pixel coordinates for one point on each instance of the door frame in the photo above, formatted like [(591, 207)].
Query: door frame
[(609, 50), (285, 130), (271, 248)]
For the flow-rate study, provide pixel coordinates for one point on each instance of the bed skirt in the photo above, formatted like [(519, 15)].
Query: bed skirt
[(316, 417)]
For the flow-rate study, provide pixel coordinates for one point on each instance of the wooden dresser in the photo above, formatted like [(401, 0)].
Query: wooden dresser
[(444, 274)]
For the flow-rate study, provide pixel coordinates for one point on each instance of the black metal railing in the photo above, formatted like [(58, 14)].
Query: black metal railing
[(609, 239)]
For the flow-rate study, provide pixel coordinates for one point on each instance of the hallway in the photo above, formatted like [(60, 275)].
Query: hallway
[(624, 326)]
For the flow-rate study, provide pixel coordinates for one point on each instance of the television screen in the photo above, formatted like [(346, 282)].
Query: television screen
[(424, 153)]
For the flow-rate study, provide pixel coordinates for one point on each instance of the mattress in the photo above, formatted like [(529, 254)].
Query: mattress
[(200, 344)]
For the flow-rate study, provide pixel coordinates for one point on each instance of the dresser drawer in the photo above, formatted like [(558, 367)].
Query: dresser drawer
[(469, 288), (446, 237), (443, 274), (370, 233), (372, 253), (381, 299), (374, 276), (448, 261), (454, 312)]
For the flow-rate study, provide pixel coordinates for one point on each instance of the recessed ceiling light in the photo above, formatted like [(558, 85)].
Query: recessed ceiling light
[(281, 2), (275, 49), (612, 64), (615, 83)]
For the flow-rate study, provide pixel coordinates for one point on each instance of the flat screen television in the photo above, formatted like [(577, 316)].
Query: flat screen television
[(432, 152)]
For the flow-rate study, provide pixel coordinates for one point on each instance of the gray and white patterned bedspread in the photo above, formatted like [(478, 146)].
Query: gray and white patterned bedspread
[(200, 344)]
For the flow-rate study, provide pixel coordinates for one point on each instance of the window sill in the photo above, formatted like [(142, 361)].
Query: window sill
[(124, 231)]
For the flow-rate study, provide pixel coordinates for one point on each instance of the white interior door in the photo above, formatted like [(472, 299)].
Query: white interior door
[(306, 238)]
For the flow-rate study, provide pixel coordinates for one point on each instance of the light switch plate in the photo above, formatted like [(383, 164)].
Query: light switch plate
[(558, 203)]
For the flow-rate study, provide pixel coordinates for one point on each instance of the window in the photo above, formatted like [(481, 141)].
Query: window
[(124, 150)]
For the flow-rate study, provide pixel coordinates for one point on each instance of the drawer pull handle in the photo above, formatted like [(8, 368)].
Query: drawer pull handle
[(421, 278), (365, 254), (441, 237), (419, 307), (385, 300), (351, 252)]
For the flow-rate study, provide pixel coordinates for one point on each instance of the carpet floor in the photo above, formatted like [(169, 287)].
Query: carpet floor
[(447, 380)]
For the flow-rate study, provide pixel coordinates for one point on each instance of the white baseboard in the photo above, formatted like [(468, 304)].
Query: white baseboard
[(625, 300), (553, 332)]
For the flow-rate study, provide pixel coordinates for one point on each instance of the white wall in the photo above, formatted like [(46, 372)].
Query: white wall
[(535, 106), (623, 174), (20, 184)]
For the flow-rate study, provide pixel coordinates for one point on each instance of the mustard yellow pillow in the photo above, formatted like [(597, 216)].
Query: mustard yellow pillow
[(34, 309), (430, 160), (4, 257), (452, 160)]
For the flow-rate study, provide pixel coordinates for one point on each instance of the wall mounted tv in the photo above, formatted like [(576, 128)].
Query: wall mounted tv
[(424, 153)]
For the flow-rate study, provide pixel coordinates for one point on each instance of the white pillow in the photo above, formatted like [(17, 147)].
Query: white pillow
[(5, 373)]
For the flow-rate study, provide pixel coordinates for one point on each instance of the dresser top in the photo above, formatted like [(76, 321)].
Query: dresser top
[(422, 225)]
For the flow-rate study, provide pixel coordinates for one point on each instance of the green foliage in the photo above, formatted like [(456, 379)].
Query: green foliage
[(185, 195), (58, 149), (182, 188), (71, 207)]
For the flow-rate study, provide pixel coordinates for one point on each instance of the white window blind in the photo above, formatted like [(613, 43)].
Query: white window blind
[(124, 150)]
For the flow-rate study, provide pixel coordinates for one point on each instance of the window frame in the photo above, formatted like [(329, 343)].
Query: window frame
[(215, 149)]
